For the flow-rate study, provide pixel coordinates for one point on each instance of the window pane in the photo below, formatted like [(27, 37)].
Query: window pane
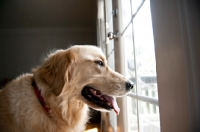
[(128, 41), (145, 53), (126, 12), (132, 115), (141, 69), (135, 5), (149, 120)]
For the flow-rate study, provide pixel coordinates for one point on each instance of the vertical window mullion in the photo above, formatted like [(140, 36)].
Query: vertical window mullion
[(135, 63)]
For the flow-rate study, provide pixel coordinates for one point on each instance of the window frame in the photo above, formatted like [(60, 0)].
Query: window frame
[(178, 65), (122, 119)]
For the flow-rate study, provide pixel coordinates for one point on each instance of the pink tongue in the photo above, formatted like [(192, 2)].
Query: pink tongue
[(114, 103)]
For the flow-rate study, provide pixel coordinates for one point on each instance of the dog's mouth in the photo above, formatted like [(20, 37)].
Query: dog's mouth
[(102, 100)]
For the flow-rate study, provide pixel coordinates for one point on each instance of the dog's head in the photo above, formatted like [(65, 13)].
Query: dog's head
[(82, 72)]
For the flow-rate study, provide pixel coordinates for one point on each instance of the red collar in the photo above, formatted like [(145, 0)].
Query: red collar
[(39, 96)]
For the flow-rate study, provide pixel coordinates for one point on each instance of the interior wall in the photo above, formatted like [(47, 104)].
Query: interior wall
[(176, 36), (191, 40), (31, 29), (22, 49)]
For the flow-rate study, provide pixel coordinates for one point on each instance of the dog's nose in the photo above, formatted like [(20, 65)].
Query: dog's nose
[(129, 85)]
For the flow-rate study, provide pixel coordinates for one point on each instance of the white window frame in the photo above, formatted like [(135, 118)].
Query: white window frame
[(122, 119)]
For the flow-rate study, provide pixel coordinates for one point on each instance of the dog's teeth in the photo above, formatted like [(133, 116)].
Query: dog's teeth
[(89, 96), (95, 92)]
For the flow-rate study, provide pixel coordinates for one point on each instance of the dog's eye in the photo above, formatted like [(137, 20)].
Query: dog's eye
[(100, 63)]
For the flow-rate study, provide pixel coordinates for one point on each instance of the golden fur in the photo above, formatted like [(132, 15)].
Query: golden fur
[(60, 78)]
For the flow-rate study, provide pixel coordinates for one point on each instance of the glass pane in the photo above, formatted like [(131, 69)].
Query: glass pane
[(141, 69), (132, 115), (126, 12), (149, 120), (145, 53), (135, 5), (129, 55)]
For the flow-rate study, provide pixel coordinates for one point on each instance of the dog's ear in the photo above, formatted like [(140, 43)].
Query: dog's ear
[(54, 73)]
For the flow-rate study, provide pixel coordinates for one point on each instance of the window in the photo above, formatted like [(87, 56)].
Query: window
[(175, 27), (142, 103), (142, 110)]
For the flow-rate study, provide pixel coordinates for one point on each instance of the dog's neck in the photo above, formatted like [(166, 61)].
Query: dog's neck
[(66, 111), (69, 113), (39, 96)]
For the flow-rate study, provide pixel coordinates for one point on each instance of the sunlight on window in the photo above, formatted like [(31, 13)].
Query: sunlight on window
[(141, 66)]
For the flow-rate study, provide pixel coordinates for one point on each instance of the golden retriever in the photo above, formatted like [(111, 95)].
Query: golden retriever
[(55, 97)]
